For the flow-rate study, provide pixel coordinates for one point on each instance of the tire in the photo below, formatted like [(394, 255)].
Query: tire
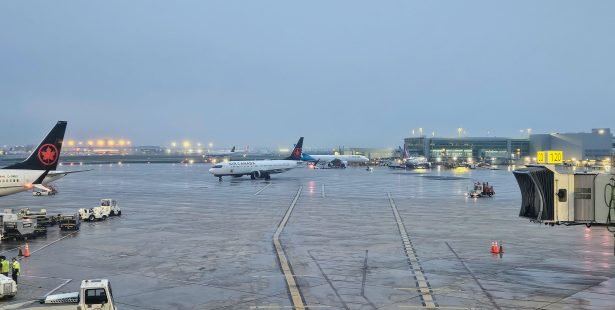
[(119, 213), (253, 176), (91, 218), (104, 217), (112, 213)]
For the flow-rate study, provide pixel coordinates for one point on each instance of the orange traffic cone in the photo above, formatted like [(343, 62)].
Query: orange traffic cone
[(26, 251), (496, 249), (492, 247), (20, 252), (501, 247)]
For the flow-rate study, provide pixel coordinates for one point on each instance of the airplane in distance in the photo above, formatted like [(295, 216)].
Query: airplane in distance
[(39, 168), (258, 169), (325, 159), (221, 153)]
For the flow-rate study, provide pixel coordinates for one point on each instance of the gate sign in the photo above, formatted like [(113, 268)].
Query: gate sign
[(555, 157), (540, 157), (550, 157)]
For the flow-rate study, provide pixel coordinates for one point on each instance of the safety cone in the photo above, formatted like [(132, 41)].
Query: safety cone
[(501, 247), (492, 247), (26, 251), (20, 252), (496, 249)]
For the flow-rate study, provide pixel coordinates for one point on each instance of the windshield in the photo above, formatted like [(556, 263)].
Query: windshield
[(217, 166)]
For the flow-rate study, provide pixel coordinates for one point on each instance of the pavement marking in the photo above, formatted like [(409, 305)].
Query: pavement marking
[(422, 285), (473, 276), (66, 281), (293, 289), (262, 189), (52, 242), (328, 281), (323, 191)]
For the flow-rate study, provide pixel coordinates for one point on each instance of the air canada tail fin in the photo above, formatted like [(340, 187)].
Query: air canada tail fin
[(233, 149), (296, 154), (46, 155)]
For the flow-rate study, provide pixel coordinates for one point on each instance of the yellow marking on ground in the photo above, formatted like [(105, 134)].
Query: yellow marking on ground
[(284, 264), (421, 282)]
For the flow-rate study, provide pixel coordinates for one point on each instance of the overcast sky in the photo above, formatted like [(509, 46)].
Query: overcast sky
[(263, 73)]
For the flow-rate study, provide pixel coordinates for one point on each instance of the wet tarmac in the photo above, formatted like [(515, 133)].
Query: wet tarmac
[(350, 239)]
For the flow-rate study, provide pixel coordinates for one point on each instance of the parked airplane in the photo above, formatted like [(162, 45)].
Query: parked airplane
[(326, 159), (39, 168), (258, 169), (221, 153)]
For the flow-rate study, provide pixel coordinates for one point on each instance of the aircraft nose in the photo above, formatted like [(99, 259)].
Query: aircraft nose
[(211, 170)]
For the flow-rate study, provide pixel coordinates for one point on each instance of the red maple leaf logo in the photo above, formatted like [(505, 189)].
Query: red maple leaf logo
[(47, 154)]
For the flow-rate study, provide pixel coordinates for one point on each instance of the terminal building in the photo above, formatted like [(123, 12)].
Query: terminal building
[(468, 149), (594, 145)]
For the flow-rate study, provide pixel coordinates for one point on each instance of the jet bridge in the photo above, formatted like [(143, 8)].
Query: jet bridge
[(555, 197)]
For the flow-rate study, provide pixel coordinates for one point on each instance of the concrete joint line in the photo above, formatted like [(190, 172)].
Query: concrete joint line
[(421, 282)]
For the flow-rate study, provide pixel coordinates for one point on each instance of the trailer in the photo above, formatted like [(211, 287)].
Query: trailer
[(16, 227), (8, 287), (69, 221)]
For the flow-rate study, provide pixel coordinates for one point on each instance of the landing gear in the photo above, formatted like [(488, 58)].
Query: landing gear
[(220, 179), (267, 176), (253, 176)]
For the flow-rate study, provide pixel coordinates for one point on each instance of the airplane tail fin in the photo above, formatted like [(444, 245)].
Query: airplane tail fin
[(46, 155), (296, 154), (405, 153), (233, 149)]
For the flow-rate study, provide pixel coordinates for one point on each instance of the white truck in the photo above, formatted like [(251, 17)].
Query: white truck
[(8, 287), (93, 294), (92, 214), (110, 206)]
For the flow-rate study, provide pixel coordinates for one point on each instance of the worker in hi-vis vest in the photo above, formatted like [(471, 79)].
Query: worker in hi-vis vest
[(5, 266), (16, 269)]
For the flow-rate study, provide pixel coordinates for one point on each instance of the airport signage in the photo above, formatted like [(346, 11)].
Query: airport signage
[(540, 157), (550, 157)]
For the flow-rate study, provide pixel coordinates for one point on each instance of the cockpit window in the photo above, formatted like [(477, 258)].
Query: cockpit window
[(217, 166)]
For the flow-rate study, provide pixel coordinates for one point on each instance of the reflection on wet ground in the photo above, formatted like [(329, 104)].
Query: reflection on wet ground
[(355, 239)]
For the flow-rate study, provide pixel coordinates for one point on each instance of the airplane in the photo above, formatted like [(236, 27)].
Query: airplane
[(39, 168), (258, 169), (411, 162), (221, 153), (326, 159)]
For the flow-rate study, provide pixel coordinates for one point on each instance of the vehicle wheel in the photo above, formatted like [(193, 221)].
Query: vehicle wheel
[(91, 218), (253, 176), (112, 213), (119, 213), (104, 217)]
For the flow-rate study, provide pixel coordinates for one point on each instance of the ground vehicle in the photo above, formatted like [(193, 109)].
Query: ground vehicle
[(110, 206), (17, 227), (96, 213), (69, 222), (8, 287), (42, 192), (93, 294), (42, 221), (481, 190)]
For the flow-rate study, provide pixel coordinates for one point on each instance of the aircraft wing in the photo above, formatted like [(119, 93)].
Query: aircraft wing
[(52, 173)]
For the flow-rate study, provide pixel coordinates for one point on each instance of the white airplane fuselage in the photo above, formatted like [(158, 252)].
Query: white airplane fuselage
[(14, 181), (250, 167), (343, 158)]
